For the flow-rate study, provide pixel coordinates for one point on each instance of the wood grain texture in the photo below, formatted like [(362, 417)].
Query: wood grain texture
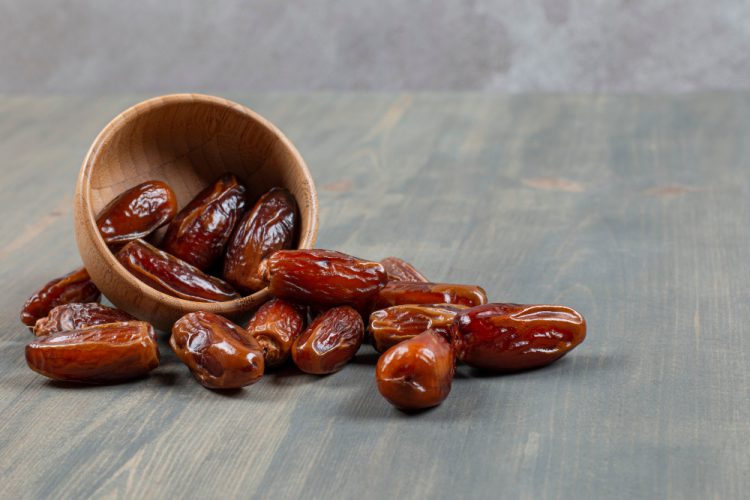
[(630, 209), (187, 141)]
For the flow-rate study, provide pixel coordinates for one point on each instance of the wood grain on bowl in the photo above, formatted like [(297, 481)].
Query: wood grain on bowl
[(187, 141)]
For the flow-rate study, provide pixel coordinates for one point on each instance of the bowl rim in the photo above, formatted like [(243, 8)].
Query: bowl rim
[(83, 190)]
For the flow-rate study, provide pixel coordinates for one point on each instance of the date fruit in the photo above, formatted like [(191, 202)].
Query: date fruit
[(74, 287), (400, 270), (137, 212), (271, 225), (513, 337), (173, 276), (405, 292), (395, 324), (324, 278), (220, 354), (329, 342), (276, 325), (417, 373), (96, 355), (200, 232), (77, 316)]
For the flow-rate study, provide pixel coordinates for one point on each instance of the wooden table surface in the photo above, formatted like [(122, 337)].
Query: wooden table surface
[(631, 209)]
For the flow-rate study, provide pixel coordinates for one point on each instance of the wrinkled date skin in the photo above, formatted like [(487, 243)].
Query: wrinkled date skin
[(137, 212), (96, 355), (417, 373), (324, 278), (200, 232), (400, 270), (513, 337), (270, 226), (403, 292), (171, 275), (329, 342), (77, 316), (74, 287), (276, 325), (395, 324), (220, 354)]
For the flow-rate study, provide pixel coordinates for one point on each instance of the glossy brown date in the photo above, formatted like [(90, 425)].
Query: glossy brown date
[(403, 292), (74, 287), (200, 232), (77, 316), (324, 278), (96, 355), (171, 275), (271, 225), (137, 212), (329, 342), (512, 337), (417, 373), (220, 354), (400, 270), (276, 325), (395, 324)]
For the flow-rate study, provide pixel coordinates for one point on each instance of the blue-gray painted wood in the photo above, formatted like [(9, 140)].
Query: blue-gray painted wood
[(631, 209)]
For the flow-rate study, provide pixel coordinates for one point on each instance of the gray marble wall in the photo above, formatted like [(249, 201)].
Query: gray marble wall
[(99, 46)]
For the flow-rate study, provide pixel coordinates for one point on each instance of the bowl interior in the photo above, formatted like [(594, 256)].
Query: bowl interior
[(188, 141)]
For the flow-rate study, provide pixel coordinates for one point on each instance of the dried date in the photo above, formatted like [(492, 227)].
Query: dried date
[(403, 292), (96, 355), (324, 278), (271, 225), (137, 212), (395, 324), (329, 342), (173, 276), (276, 325), (400, 270), (417, 373), (200, 232), (512, 337), (77, 316), (74, 287), (220, 354)]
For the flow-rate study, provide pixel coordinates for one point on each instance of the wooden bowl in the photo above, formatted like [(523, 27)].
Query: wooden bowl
[(187, 141)]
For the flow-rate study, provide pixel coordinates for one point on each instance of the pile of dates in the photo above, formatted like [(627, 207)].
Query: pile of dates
[(325, 305)]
